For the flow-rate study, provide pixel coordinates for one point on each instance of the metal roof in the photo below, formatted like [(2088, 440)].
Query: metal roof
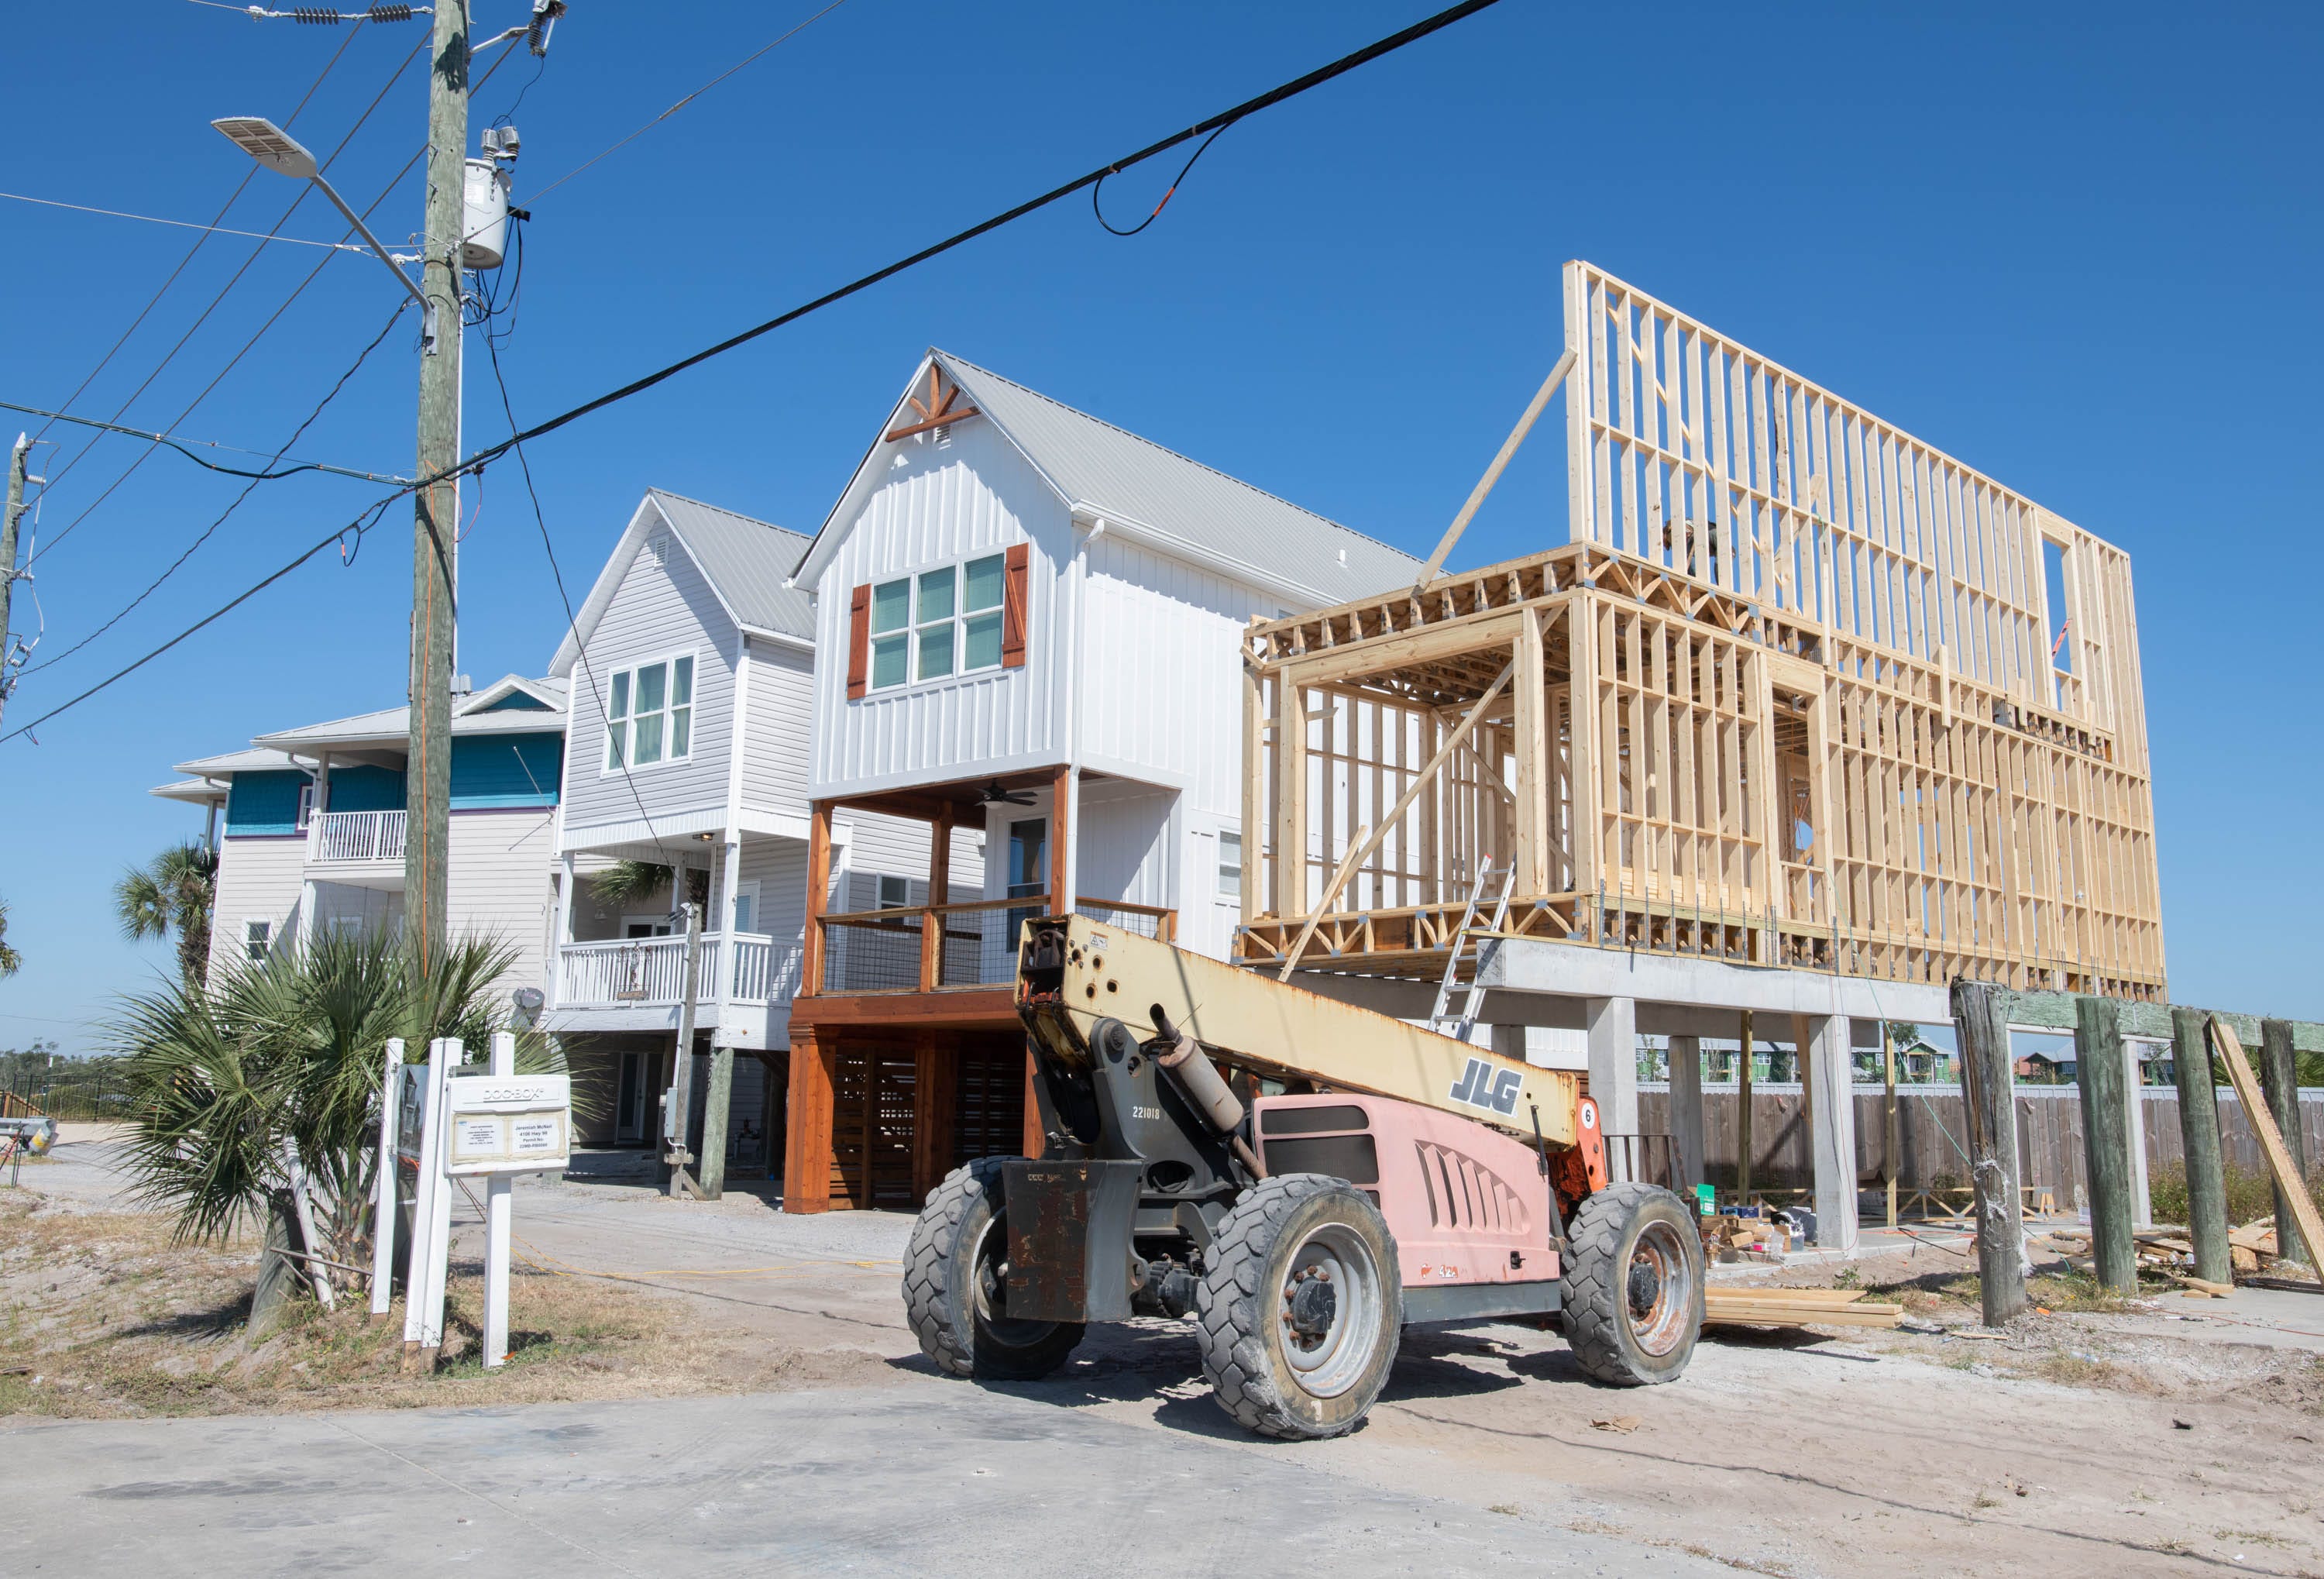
[(200, 791), (1111, 472), (256, 760), (392, 726), (747, 561)]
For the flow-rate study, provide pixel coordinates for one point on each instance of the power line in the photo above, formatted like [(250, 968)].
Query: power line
[(184, 223), (199, 242), (181, 446), (155, 584), (681, 103), (255, 252), (1292, 89), (363, 523)]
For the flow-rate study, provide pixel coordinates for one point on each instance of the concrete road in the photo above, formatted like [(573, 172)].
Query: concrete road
[(927, 1478)]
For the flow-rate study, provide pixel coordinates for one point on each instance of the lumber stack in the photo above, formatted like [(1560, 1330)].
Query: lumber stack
[(1797, 1308)]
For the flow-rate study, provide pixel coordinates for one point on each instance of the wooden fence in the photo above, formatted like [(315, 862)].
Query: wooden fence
[(1931, 1139)]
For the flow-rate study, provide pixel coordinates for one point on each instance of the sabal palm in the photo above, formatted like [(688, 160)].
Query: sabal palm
[(171, 895)]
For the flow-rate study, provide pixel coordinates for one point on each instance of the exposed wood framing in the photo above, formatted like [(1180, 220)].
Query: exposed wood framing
[(1787, 698)]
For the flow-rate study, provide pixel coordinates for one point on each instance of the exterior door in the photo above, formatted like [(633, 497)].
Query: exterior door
[(630, 1102)]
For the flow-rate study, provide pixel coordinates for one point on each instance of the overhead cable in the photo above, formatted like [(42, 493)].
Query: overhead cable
[(183, 446), (344, 246)]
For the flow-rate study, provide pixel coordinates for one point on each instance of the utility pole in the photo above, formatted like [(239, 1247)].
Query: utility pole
[(427, 763), (8, 519)]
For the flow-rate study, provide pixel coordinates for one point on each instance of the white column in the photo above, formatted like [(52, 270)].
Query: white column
[(1832, 1128), (730, 880), (1613, 1027), (2142, 1203), (306, 934), (564, 932), (1686, 1111)]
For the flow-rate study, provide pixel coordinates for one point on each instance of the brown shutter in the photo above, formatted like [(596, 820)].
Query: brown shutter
[(859, 641), (1012, 608)]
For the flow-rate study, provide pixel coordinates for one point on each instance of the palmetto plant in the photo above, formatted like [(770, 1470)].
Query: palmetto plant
[(628, 882), (259, 1098), (171, 895)]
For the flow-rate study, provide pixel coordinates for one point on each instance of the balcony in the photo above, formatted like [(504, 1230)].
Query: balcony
[(340, 839), (938, 948), (650, 972)]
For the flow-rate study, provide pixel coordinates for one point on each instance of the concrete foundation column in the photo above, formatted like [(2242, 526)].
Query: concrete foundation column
[(1613, 1027), (1686, 1113), (1832, 1128), (2141, 1199)]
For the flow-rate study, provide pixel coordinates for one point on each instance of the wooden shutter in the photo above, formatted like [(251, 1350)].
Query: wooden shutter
[(859, 641), (1012, 608)]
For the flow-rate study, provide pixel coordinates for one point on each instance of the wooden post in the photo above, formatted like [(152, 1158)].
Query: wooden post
[(2199, 1130), (1743, 1118), (678, 1123), (2279, 1078), (2105, 1141), (710, 1168), (1531, 735), (1061, 817), (1889, 1145), (1981, 1033), (818, 896), (1036, 1141), (939, 893), (807, 1142), (2305, 1226), (931, 1114)]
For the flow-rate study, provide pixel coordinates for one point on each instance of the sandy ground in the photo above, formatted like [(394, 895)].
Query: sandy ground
[(2178, 1436)]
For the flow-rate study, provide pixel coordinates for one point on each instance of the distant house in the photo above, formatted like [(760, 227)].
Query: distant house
[(1920, 1064), (309, 825), (2046, 1068)]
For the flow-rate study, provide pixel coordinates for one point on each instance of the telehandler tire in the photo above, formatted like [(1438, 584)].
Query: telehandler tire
[(1301, 1306), (1633, 1285), (955, 1286)]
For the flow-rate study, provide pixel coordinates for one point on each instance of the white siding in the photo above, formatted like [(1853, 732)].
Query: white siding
[(971, 494), (897, 847), (258, 879), (779, 712), (778, 866), (500, 883), (659, 611), (1125, 844)]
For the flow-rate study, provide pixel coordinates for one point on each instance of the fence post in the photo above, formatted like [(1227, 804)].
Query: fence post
[(2198, 1130), (1981, 1034), (2105, 1140), (2279, 1076)]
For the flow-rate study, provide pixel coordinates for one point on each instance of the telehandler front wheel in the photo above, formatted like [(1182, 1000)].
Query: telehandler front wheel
[(1301, 1306), (1633, 1285), (956, 1286)]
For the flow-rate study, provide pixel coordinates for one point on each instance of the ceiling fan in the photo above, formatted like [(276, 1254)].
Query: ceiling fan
[(994, 794)]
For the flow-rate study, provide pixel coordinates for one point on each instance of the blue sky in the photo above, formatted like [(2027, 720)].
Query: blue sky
[(2077, 246)]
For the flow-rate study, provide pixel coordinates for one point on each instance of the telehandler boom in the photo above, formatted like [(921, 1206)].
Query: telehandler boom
[(1368, 1174)]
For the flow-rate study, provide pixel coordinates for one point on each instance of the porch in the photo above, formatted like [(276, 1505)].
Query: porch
[(364, 847)]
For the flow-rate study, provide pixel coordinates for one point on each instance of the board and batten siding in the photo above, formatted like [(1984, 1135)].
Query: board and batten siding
[(777, 712), (659, 611), (971, 495)]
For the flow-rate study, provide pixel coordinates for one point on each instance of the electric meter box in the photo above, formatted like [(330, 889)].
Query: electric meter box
[(484, 205)]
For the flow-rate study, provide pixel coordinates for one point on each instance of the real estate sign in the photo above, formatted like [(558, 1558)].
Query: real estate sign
[(502, 1123)]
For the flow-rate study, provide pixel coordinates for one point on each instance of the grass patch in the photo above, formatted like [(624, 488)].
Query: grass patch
[(2251, 1193)]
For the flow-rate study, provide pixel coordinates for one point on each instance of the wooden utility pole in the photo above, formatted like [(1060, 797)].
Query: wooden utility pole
[(13, 512), (678, 1119), (2199, 1130), (1981, 1035), (710, 1168), (428, 760), (2105, 1140), (2279, 1077), (1743, 1119)]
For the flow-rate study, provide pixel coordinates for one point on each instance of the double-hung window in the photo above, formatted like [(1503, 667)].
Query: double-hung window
[(938, 623), (650, 714)]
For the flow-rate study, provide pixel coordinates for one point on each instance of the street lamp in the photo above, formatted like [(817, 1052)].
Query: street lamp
[(280, 151)]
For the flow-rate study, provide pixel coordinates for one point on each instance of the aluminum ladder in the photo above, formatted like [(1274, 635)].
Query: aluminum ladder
[(1440, 1020)]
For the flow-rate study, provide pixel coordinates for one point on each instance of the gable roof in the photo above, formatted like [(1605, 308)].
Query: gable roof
[(748, 563), (1161, 496), (392, 726)]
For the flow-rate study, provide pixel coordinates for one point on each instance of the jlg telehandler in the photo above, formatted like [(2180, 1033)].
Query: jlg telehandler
[(1411, 1179)]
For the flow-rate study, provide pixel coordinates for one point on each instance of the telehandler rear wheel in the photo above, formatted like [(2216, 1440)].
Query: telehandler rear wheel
[(1301, 1306), (956, 1286), (1633, 1285)]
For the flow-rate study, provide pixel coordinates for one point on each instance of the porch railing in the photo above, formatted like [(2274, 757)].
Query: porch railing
[(646, 972), (356, 835), (934, 948)]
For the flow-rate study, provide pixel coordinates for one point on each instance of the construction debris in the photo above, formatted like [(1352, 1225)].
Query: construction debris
[(1797, 1308)]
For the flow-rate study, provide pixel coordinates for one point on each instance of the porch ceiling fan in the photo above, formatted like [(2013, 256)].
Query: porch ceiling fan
[(993, 794)]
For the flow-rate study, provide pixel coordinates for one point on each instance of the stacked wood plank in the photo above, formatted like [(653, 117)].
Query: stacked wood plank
[(1797, 1308)]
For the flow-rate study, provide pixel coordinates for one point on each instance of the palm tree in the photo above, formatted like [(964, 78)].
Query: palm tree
[(263, 1090), (625, 882), (11, 961), (171, 893)]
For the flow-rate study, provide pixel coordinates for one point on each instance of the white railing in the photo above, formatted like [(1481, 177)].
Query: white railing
[(647, 972), (356, 835)]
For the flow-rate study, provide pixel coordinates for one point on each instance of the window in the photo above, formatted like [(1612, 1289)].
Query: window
[(257, 939), (746, 906), (939, 622), (306, 806), (650, 714), (1230, 865), (895, 893), (645, 926)]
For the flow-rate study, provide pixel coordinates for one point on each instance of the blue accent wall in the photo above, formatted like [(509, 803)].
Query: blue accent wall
[(506, 769), (518, 702), (263, 803), (366, 788)]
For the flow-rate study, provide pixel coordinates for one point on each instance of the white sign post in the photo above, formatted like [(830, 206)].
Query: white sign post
[(383, 1211), (431, 1217), (503, 1124)]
